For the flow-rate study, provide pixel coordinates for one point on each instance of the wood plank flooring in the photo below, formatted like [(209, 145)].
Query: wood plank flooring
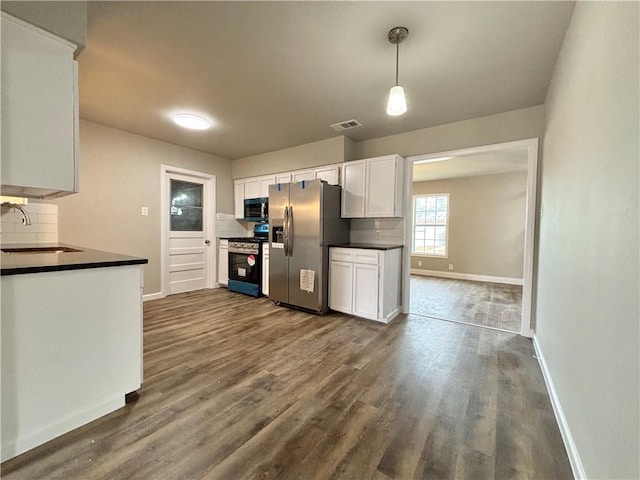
[(238, 388), (480, 303)]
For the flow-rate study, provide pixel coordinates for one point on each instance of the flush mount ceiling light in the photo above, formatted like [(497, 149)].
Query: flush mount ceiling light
[(397, 103), (189, 120)]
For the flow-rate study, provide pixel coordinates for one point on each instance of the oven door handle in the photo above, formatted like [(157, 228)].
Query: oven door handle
[(285, 226)]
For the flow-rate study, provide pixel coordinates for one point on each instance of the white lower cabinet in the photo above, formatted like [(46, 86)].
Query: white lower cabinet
[(365, 282), (365, 290), (341, 286), (265, 269), (223, 262)]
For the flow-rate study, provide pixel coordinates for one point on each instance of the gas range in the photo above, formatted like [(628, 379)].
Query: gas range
[(250, 244), (245, 261)]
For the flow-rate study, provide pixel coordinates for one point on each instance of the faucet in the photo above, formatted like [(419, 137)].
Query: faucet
[(25, 218)]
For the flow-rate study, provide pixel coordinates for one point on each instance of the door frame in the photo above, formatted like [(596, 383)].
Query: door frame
[(531, 144), (209, 223)]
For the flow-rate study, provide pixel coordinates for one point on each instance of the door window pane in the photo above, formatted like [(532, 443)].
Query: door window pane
[(186, 206)]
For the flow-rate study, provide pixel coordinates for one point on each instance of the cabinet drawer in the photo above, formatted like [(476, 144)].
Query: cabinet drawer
[(342, 254), (365, 256)]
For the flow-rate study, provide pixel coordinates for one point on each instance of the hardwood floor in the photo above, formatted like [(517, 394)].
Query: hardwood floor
[(493, 305), (238, 388)]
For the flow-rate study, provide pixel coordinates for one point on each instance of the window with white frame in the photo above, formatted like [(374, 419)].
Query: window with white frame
[(430, 224)]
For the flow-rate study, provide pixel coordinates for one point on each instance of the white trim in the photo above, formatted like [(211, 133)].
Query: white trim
[(572, 450), (467, 276), (209, 226), (531, 145), (49, 432), (153, 296)]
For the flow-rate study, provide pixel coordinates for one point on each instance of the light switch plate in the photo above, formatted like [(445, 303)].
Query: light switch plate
[(144, 211)]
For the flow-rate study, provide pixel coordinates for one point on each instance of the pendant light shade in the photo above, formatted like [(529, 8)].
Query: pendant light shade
[(397, 103)]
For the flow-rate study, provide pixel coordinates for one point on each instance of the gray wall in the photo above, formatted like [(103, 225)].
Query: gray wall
[(587, 303), (65, 19), (323, 152), (503, 127), (120, 173), (486, 224)]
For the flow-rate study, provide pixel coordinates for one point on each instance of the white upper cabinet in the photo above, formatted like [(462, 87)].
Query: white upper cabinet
[(301, 175), (329, 173), (39, 112), (264, 184), (256, 187), (353, 185), (373, 187), (384, 180), (283, 177), (252, 187), (238, 198)]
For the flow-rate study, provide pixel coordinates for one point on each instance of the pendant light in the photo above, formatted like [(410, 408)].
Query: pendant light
[(397, 103)]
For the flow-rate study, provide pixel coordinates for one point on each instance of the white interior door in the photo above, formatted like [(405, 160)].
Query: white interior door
[(189, 253)]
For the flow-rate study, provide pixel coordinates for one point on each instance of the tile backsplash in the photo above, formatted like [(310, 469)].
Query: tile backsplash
[(364, 230), (230, 227), (43, 228)]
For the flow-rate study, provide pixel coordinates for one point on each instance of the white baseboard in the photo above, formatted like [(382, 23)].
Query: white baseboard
[(153, 296), (467, 276), (565, 431), (16, 446)]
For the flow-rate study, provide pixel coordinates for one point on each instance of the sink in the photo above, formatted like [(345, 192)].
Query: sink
[(23, 250)]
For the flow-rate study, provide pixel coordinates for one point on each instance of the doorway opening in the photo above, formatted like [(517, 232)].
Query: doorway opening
[(188, 230), (469, 232)]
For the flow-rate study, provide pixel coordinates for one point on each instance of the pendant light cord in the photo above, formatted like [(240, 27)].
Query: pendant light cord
[(397, 56)]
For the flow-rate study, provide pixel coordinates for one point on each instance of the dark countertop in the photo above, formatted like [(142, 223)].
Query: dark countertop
[(368, 246), (20, 263)]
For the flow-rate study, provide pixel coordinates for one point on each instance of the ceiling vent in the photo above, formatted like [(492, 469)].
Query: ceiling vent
[(346, 125)]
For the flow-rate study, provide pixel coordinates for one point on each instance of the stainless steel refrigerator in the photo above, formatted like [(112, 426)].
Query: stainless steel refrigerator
[(304, 219)]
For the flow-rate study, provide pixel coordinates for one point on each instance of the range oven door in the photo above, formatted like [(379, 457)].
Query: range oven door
[(256, 209), (245, 273)]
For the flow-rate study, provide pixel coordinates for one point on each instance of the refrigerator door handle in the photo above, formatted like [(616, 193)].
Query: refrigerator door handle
[(289, 230), (285, 228)]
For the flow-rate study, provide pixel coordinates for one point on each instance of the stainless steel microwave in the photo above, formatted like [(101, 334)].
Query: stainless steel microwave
[(256, 209)]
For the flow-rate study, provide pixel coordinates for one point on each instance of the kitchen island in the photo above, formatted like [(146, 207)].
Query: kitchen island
[(71, 340)]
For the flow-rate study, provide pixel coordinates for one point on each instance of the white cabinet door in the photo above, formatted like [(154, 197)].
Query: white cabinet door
[(301, 175), (264, 185), (330, 174), (252, 188), (265, 272), (341, 286), (238, 198), (353, 174), (382, 184), (283, 177), (365, 291), (39, 112), (223, 262)]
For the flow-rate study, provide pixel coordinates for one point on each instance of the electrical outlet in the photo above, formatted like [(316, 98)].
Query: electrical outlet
[(419, 263), (451, 266), (144, 211)]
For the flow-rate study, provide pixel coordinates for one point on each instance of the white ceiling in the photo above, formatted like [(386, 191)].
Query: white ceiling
[(276, 74), (475, 165)]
